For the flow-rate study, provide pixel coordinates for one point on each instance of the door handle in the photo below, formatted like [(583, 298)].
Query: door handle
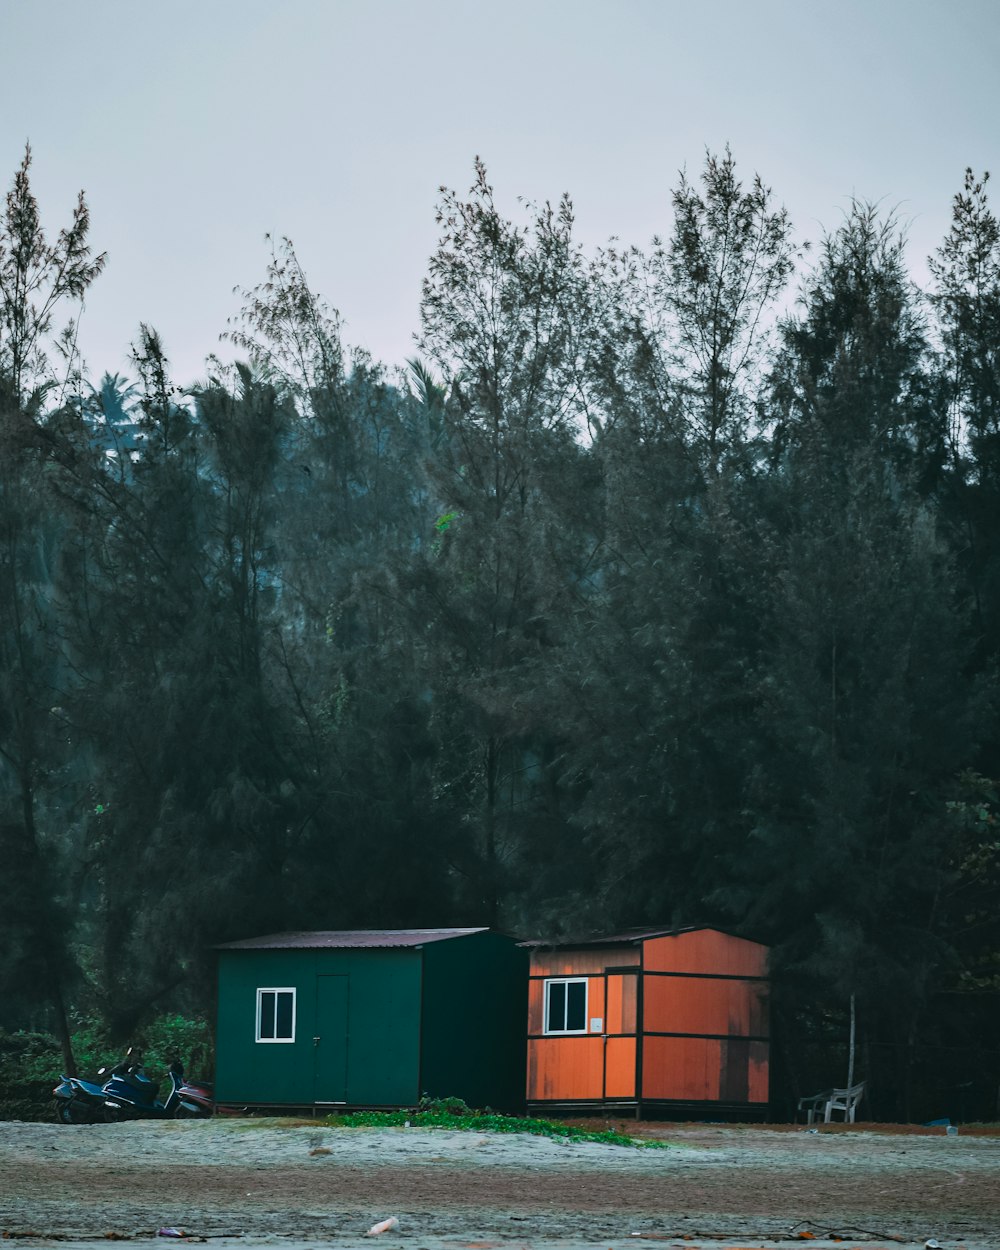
[(316, 1041)]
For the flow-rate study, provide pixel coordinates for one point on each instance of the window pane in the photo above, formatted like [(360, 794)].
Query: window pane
[(267, 1014), (284, 1023), (576, 1006), (556, 1021)]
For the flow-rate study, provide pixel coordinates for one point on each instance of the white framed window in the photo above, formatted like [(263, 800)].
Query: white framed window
[(566, 1005), (276, 1014)]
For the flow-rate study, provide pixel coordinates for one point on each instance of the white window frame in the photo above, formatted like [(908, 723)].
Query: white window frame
[(584, 981), (275, 989)]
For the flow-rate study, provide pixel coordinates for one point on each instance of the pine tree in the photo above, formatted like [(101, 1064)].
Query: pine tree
[(35, 278), (866, 713), (673, 351), (351, 500), (966, 301), (502, 315)]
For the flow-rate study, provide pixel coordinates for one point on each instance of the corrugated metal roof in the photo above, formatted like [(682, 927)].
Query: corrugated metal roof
[(340, 939), (628, 938)]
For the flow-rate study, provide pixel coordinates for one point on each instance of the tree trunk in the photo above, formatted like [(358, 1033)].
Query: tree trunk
[(61, 1021)]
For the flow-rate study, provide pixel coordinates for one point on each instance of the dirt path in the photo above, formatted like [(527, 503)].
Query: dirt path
[(260, 1180)]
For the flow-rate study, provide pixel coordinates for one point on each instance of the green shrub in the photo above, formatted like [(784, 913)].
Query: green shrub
[(29, 1068), (176, 1037), (446, 1106), (434, 1113)]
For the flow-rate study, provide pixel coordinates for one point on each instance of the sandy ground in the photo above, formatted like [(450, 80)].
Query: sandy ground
[(280, 1185)]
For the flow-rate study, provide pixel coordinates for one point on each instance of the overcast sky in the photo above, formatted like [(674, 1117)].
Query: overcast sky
[(198, 126)]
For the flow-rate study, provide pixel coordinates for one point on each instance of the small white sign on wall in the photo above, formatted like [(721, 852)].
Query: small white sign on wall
[(596, 1024)]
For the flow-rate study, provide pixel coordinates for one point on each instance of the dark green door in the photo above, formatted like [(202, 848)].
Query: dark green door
[(330, 1040)]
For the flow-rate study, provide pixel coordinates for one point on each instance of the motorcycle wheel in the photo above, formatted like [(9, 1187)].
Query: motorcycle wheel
[(76, 1111)]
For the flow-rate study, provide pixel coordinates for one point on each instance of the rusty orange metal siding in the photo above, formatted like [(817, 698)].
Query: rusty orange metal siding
[(623, 992), (681, 1069), (565, 1069), (595, 1003), (536, 1007), (619, 1067), (703, 1005), (705, 951), (576, 963), (709, 985), (703, 1069), (758, 1089)]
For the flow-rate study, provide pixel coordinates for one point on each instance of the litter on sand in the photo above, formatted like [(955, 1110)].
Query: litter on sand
[(383, 1226)]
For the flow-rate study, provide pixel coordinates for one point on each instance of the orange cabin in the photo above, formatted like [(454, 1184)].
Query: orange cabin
[(649, 1020)]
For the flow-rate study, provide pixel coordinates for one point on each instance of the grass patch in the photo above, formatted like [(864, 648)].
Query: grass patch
[(451, 1113)]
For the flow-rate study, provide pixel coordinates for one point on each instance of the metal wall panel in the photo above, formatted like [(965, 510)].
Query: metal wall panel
[(565, 1069), (704, 1005), (619, 1067), (706, 951), (621, 1009), (686, 1069), (571, 963)]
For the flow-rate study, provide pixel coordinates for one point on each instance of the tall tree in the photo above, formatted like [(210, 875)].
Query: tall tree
[(35, 277), (684, 326), (853, 372), (352, 497), (966, 301), (502, 315), (728, 260), (866, 713), (966, 298), (674, 351)]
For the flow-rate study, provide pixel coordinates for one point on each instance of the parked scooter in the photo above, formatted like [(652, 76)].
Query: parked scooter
[(131, 1095), (84, 1102), (195, 1099), (80, 1102)]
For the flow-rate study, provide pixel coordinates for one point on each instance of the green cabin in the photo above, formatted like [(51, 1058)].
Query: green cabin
[(371, 1018)]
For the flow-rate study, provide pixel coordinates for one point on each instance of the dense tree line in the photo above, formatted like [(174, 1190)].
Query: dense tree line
[(635, 600)]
